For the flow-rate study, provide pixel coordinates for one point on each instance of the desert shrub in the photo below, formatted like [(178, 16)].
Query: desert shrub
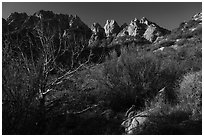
[(167, 43), (131, 80), (25, 85), (136, 76), (19, 91), (173, 123), (181, 42), (190, 93), (185, 117), (190, 57)]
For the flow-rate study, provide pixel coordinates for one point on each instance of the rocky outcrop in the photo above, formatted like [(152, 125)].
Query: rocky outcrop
[(123, 26), (44, 14), (111, 28), (49, 22), (189, 26), (132, 124), (97, 30), (152, 33), (133, 29), (65, 30), (135, 120), (197, 17), (187, 32), (145, 28), (98, 33), (76, 29), (145, 21)]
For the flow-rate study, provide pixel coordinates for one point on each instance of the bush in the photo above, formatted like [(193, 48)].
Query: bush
[(190, 93), (19, 91), (131, 79), (185, 117), (136, 76)]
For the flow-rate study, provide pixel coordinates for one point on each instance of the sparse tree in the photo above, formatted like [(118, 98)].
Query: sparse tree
[(36, 72)]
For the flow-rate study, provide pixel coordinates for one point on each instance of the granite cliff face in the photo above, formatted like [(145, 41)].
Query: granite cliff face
[(198, 17), (98, 33), (143, 28), (71, 27), (111, 28), (45, 21), (70, 30), (65, 31)]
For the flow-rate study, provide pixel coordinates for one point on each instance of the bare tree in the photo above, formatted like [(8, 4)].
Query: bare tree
[(39, 71), (49, 56)]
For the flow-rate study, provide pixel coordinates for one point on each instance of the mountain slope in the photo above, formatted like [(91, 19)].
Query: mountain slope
[(49, 85), (188, 32)]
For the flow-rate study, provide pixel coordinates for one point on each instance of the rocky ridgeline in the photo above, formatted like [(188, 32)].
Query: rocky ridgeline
[(111, 28), (71, 28), (188, 26), (98, 33), (197, 17), (187, 32), (47, 21), (143, 28), (69, 24)]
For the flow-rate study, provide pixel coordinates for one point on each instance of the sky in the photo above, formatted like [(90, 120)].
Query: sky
[(166, 14)]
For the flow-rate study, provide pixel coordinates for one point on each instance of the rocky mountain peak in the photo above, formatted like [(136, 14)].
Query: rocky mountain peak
[(143, 28), (193, 24), (135, 28), (75, 22), (49, 23), (197, 17), (96, 29), (187, 32), (144, 20), (135, 22), (98, 33), (111, 28), (44, 14), (16, 15)]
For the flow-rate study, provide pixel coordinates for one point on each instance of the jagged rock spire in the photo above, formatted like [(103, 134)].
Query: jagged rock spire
[(111, 28)]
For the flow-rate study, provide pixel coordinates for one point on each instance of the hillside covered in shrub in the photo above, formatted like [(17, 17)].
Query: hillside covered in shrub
[(61, 77)]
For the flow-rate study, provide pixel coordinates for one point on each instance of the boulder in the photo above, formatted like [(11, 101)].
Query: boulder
[(132, 124)]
